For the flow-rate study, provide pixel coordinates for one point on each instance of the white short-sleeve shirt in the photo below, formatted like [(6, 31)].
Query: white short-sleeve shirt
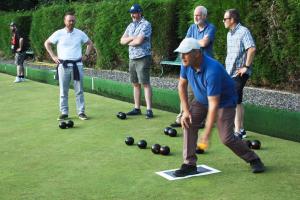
[(69, 44)]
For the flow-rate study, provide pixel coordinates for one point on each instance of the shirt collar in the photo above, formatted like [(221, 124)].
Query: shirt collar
[(138, 22), (235, 28), (66, 31), (202, 67), (205, 26)]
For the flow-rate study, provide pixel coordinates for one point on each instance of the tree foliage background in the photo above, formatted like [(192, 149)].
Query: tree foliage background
[(273, 23)]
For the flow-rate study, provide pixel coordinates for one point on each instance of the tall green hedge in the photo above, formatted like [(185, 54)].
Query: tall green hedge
[(113, 19), (274, 24), (44, 22)]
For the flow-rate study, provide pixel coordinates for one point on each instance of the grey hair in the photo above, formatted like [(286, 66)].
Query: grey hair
[(202, 9)]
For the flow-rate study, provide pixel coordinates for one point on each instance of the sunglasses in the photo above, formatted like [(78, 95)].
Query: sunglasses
[(226, 19)]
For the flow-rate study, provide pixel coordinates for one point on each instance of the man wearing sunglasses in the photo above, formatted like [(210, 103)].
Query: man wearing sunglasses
[(240, 54)]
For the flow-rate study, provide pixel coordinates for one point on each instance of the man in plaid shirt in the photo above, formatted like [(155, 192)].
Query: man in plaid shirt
[(240, 54)]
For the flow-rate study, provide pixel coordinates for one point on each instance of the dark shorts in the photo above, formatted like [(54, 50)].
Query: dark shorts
[(19, 58), (139, 70), (240, 82)]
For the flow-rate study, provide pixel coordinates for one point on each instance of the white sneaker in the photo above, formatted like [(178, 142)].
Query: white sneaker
[(18, 80), (23, 79)]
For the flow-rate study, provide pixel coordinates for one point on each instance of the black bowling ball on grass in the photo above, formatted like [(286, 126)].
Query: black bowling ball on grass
[(155, 148), (62, 125), (166, 130), (172, 132), (129, 140), (142, 144), (70, 124), (255, 144), (164, 150), (121, 115)]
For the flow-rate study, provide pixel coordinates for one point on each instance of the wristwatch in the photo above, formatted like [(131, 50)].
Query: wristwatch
[(247, 66)]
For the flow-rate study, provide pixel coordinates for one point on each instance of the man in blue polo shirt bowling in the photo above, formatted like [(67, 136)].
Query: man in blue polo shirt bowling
[(204, 32), (215, 98)]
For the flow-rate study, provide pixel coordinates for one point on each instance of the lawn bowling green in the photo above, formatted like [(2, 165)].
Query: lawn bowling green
[(38, 160)]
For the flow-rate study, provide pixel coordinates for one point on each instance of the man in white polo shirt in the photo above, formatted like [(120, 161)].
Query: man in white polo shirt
[(69, 41)]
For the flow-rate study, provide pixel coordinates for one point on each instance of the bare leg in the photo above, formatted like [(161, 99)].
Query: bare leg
[(148, 96), (137, 95), (239, 115)]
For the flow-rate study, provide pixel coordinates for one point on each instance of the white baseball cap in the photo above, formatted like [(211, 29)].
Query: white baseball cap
[(187, 45)]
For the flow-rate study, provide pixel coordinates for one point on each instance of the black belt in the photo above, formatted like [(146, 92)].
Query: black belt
[(74, 65)]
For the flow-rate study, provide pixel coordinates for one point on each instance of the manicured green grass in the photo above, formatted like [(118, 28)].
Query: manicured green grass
[(40, 161)]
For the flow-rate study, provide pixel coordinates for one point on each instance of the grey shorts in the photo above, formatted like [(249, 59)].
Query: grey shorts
[(19, 58), (139, 70)]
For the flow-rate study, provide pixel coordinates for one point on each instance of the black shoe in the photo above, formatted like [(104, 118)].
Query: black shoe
[(82, 116), (135, 111), (175, 125), (62, 117), (185, 170), (257, 166), (149, 114)]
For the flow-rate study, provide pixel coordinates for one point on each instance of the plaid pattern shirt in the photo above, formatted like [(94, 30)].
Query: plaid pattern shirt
[(238, 41), (140, 28)]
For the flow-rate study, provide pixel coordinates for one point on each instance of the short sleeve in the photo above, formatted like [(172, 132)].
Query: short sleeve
[(248, 40), (183, 72), (146, 30), (213, 84), (211, 33), (189, 32), (84, 37), (54, 37)]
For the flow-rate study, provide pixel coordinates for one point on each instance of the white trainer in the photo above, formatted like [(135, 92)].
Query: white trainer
[(18, 80)]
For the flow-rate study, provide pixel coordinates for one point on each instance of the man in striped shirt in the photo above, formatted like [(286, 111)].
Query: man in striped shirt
[(240, 53)]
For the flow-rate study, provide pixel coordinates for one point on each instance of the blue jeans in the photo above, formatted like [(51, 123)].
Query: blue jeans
[(65, 76)]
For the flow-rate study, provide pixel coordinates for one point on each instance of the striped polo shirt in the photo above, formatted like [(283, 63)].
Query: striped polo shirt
[(238, 41)]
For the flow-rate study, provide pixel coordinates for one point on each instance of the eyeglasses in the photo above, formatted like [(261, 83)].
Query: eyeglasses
[(226, 19)]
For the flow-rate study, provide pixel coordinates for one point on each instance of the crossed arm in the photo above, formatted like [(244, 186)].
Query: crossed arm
[(131, 40)]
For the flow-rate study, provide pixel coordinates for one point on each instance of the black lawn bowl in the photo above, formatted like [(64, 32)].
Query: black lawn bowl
[(199, 151), (155, 148), (255, 144), (166, 130), (142, 144), (129, 140), (172, 132), (164, 150), (70, 124), (62, 125), (121, 115)]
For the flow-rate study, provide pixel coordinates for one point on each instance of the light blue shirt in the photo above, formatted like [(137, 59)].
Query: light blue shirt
[(140, 28), (238, 41), (209, 30)]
